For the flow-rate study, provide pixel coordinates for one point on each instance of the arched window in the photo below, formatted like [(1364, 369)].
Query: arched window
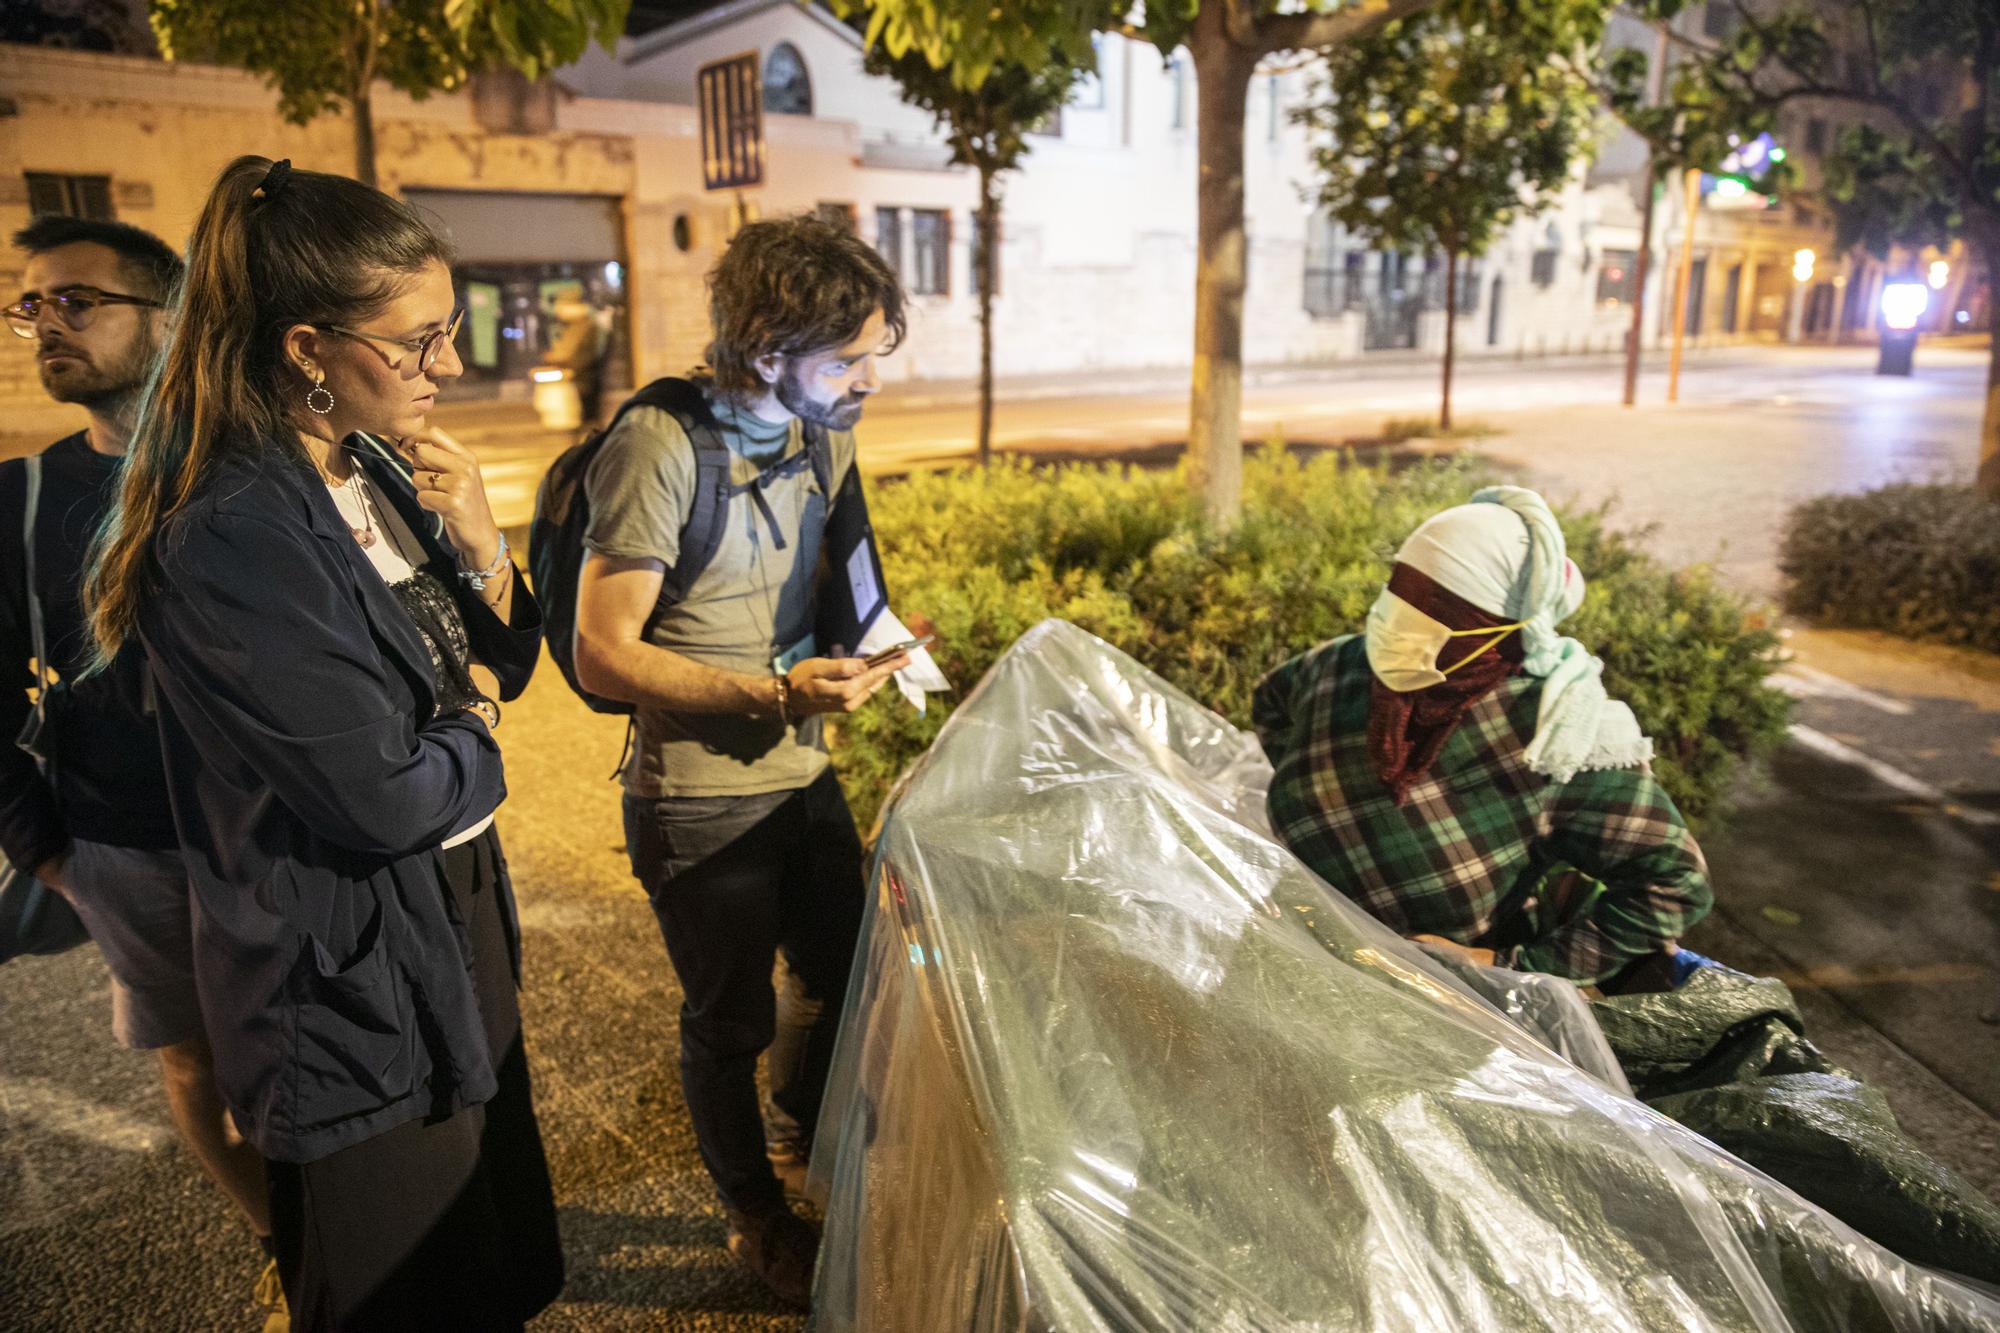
[(788, 89)]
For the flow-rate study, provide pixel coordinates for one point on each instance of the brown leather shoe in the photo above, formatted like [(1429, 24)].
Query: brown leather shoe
[(778, 1247)]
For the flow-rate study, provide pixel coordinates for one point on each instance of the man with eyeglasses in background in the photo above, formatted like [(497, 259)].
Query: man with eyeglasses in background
[(96, 825)]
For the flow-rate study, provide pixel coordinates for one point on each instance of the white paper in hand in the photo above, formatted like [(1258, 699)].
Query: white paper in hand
[(920, 676)]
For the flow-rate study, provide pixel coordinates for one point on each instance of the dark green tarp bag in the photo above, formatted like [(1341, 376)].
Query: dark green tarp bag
[(1726, 1055)]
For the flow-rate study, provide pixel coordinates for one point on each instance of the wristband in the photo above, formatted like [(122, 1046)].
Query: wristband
[(784, 684), (476, 578)]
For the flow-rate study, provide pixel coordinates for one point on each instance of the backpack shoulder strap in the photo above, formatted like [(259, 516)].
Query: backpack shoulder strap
[(819, 448), (30, 510), (701, 531)]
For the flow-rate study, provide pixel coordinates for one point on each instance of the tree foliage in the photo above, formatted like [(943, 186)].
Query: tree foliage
[(1226, 39), (987, 127), (325, 55), (78, 25), (1434, 133), (1921, 164)]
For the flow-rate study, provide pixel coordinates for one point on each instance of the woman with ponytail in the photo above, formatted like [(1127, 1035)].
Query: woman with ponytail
[(319, 586)]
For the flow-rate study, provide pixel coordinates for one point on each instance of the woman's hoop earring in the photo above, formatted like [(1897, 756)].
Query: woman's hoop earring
[(319, 391)]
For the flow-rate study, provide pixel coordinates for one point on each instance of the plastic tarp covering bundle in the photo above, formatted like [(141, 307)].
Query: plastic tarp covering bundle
[(1551, 1008), (1114, 1059)]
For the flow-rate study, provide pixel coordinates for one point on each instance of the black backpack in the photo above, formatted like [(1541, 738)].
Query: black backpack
[(562, 516)]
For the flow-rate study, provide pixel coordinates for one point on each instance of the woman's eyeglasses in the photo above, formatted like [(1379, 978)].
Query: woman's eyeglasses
[(72, 305), (427, 348)]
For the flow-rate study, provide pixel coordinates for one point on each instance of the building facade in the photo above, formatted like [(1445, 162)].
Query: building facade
[(595, 183)]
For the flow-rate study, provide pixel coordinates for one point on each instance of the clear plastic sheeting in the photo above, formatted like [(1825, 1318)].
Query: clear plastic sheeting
[(1114, 1059), (1551, 1008)]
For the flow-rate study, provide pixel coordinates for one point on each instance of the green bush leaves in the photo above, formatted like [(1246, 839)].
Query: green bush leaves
[(1125, 554), (1922, 561)]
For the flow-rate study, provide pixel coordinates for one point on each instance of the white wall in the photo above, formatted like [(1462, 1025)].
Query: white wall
[(661, 66), (1098, 257)]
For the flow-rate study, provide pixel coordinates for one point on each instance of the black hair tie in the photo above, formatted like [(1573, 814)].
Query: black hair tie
[(274, 180)]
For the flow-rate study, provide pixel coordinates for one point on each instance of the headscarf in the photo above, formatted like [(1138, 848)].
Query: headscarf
[(1503, 554), (1408, 729)]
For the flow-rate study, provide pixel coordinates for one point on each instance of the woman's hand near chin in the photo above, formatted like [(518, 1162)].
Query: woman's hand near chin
[(449, 484)]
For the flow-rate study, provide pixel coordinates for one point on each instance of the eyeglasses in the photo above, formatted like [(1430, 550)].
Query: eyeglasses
[(73, 306), (427, 347)]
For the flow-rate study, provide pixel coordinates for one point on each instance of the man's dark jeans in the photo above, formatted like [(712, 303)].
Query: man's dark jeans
[(734, 880)]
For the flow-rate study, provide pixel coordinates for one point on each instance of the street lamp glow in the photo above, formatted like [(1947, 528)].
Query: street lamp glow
[(1940, 274), (1903, 304), (1802, 265)]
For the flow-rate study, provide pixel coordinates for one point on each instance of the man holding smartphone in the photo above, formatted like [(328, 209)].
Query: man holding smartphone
[(734, 821)]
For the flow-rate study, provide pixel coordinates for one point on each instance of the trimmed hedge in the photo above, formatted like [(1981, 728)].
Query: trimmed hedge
[(1127, 555), (1921, 561)]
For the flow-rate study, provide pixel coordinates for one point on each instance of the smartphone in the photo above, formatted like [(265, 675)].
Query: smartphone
[(896, 650)]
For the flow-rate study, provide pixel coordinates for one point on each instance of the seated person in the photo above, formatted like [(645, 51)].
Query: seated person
[(1459, 771)]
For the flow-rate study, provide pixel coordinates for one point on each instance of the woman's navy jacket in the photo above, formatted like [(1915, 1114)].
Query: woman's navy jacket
[(312, 783)]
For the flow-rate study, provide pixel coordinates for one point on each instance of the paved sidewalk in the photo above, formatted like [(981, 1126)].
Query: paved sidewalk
[(105, 1224)]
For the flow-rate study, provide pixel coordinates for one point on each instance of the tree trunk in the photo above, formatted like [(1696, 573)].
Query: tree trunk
[(1215, 427), (1683, 275), (364, 139), (361, 85), (1656, 82), (1988, 477), (988, 223), (1450, 335), (1636, 339)]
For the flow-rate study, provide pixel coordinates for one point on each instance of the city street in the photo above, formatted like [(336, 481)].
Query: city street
[(1866, 873), (1757, 429)]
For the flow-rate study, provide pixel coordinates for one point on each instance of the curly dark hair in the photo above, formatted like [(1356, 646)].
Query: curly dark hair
[(793, 287)]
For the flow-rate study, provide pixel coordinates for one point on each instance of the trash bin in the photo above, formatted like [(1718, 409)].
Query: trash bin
[(1899, 348)]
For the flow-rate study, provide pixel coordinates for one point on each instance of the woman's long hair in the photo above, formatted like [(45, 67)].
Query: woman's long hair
[(308, 249)]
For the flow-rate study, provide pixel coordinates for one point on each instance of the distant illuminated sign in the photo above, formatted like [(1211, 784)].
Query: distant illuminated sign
[(1903, 304), (1749, 159), (729, 99), (1728, 186), (1726, 193)]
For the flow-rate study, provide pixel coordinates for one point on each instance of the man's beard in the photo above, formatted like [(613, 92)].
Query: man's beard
[(104, 391), (840, 414)]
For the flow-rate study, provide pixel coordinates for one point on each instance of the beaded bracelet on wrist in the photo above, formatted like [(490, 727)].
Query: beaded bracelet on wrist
[(477, 579)]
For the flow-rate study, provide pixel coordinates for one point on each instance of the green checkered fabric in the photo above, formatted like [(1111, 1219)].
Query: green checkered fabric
[(1574, 878)]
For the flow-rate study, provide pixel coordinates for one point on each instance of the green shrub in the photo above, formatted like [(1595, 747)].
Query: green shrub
[(1127, 555), (1922, 561)]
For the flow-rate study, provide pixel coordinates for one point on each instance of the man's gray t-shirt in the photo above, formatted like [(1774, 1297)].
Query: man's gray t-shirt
[(754, 601)]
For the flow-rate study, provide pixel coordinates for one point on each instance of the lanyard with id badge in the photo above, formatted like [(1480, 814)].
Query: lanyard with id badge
[(853, 605)]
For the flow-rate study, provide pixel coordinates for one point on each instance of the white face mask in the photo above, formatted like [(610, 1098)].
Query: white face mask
[(1403, 644)]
